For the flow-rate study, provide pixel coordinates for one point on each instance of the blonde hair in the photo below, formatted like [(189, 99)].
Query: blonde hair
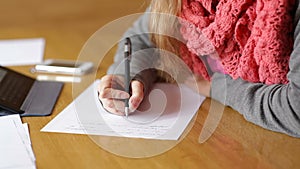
[(165, 27), (164, 22)]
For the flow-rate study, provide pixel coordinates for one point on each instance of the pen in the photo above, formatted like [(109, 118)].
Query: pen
[(127, 55)]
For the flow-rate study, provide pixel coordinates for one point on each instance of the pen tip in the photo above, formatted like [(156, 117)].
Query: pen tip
[(126, 111)]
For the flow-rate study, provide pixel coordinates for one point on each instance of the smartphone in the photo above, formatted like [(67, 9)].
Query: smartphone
[(63, 67)]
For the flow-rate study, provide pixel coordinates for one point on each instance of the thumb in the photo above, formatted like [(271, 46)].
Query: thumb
[(137, 91)]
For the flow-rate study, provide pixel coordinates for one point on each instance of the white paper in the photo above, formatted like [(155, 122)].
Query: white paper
[(163, 115), (26, 128), (21, 51), (15, 147), (28, 141)]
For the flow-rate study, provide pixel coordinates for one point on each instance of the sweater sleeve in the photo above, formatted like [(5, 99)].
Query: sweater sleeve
[(275, 107), (143, 53)]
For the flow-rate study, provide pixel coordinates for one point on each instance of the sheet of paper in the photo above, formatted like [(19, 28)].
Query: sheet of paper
[(15, 147), (163, 115), (21, 51)]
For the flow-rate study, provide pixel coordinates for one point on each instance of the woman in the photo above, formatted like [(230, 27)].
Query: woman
[(265, 91)]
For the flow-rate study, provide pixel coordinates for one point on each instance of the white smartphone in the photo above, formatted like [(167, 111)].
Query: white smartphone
[(63, 67)]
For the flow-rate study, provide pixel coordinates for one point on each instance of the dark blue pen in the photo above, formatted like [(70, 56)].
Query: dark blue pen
[(127, 55)]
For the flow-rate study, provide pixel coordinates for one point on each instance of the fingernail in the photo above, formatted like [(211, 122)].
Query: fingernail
[(131, 108)]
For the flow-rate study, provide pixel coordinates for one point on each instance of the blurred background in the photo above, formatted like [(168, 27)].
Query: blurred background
[(66, 25)]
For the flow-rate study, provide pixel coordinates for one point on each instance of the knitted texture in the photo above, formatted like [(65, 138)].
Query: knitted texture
[(250, 39)]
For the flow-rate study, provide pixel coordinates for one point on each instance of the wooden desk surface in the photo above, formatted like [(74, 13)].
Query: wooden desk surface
[(66, 26)]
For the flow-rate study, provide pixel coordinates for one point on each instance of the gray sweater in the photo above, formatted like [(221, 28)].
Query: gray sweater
[(274, 107)]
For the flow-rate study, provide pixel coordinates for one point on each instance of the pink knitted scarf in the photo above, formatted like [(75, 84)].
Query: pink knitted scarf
[(250, 39)]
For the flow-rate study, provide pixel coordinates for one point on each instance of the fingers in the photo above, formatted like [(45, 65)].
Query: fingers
[(113, 106), (111, 87), (137, 90), (111, 81), (112, 94)]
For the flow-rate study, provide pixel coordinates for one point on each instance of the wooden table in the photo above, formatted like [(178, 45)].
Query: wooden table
[(66, 26)]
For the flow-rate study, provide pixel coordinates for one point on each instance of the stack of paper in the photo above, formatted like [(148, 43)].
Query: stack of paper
[(15, 145)]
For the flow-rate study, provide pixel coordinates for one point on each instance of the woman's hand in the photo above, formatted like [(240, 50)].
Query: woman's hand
[(112, 94)]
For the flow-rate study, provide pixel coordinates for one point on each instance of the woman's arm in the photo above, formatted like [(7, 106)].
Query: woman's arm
[(141, 59), (110, 90), (275, 107)]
